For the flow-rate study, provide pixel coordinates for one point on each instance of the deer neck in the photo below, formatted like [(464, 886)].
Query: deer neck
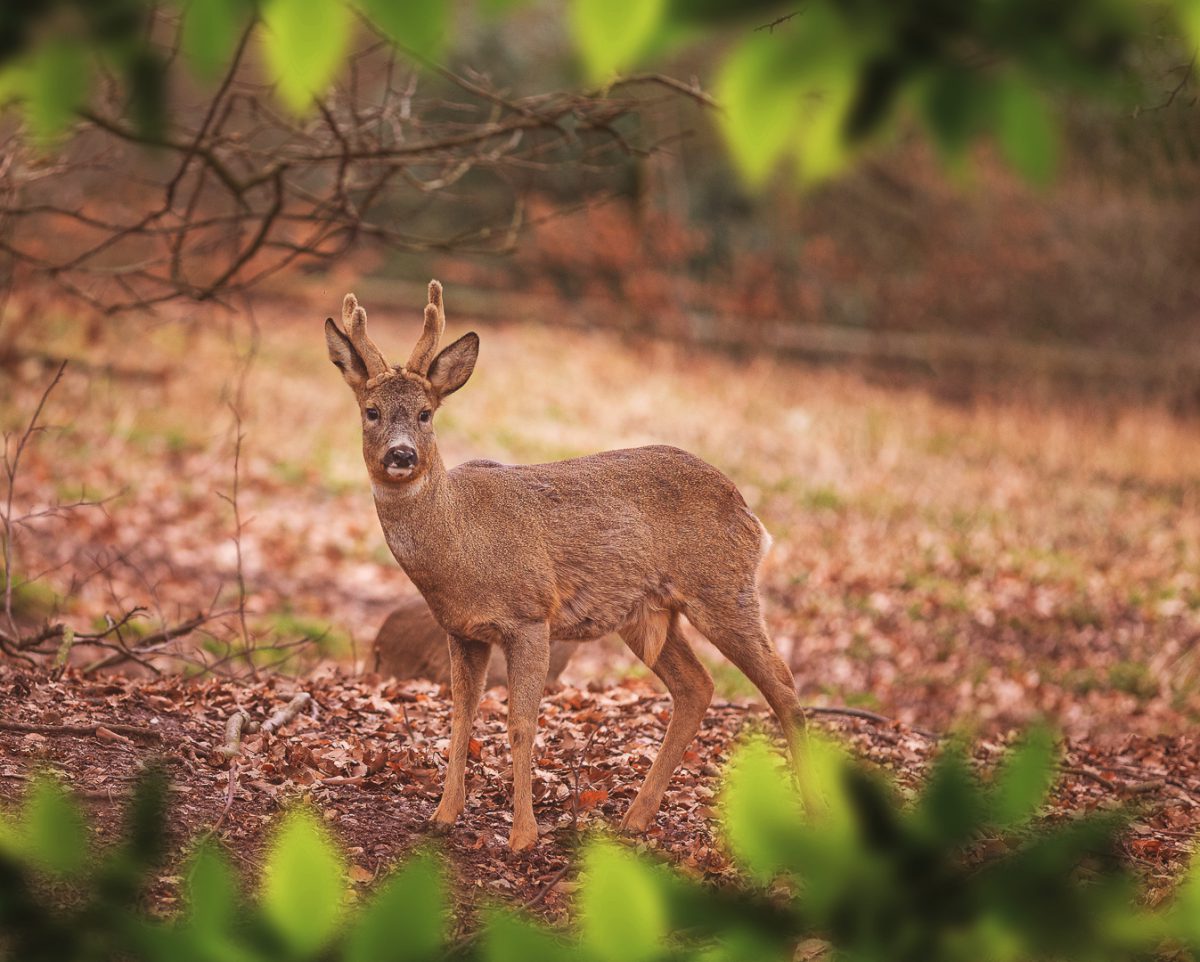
[(415, 516)]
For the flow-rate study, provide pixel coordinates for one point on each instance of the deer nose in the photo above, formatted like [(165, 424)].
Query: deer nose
[(401, 456)]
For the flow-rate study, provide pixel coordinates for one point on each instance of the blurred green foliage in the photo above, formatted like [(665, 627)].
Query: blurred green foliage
[(807, 84), (960, 873)]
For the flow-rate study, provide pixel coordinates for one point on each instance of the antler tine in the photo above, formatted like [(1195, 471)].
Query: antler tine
[(435, 322), (355, 319)]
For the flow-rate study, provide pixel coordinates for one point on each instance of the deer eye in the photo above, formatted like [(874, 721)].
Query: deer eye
[(372, 414), (424, 416)]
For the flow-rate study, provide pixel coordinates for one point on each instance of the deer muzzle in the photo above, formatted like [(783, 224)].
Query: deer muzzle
[(400, 460)]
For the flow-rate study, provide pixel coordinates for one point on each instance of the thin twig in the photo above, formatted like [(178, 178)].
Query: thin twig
[(147, 645), (809, 710), (576, 764), (132, 731), (778, 21), (235, 503), (546, 887), (11, 466)]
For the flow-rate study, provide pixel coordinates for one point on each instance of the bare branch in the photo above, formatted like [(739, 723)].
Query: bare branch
[(249, 192), (11, 465)]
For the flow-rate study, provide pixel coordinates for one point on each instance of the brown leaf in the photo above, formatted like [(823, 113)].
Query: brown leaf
[(591, 798)]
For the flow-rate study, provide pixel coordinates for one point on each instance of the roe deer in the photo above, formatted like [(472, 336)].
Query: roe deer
[(512, 556), (411, 644)]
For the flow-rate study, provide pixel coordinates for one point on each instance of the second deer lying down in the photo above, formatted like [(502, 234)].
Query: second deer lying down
[(411, 644), (513, 555)]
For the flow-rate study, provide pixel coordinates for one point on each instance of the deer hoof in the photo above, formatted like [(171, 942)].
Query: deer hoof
[(635, 821), (445, 816), (520, 839)]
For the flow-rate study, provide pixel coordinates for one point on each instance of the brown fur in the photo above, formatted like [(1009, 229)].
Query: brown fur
[(510, 556), (411, 644)]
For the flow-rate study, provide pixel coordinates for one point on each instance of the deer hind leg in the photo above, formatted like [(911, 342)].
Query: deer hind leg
[(528, 661), (691, 689), (468, 668), (734, 624)]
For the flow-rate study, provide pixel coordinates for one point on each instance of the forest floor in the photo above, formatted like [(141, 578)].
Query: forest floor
[(953, 566), (369, 755)]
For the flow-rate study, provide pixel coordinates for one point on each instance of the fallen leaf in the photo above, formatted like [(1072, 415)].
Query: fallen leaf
[(591, 798)]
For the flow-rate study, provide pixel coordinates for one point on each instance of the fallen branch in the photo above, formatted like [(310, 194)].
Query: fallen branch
[(1096, 777), (235, 724), (286, 713), (1144, 788), (240, 723), (132, 731)]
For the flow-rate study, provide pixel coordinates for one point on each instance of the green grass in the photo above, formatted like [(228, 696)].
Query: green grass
[(1081, 681), (1133, 678), (31, 600), (823, 499), (728, 682), (287, 626)]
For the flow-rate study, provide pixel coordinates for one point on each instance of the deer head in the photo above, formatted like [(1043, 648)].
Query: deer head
[(398, 403)]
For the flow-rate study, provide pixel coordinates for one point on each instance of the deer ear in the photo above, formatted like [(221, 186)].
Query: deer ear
[(343, 355), (450, 369)]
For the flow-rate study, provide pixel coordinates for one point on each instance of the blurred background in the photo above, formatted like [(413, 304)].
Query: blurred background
[(922, 282)]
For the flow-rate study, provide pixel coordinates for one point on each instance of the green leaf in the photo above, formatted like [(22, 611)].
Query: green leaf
[(611, 34), (495, 8), (56, 86), (950, 102), (210, 33), (304, 42), (622, 912), (790, 93), (507, 938), (1024, 779), (416, 894), (1028, 138), (146, 78), (302, 884), (951, 807), (822, 149), (1185, 913), (212, 892), (1188, 12), (759, 807), (761, 108), (52, 833), (419, 25)]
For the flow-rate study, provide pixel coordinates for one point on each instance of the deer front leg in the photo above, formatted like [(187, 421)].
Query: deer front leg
[(528, 661), (468, 669)]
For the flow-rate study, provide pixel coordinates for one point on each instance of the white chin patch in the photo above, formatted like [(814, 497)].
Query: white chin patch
[(399, 473)]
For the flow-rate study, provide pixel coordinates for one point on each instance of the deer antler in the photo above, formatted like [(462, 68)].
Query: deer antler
[(435, 322), (354, 318)]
